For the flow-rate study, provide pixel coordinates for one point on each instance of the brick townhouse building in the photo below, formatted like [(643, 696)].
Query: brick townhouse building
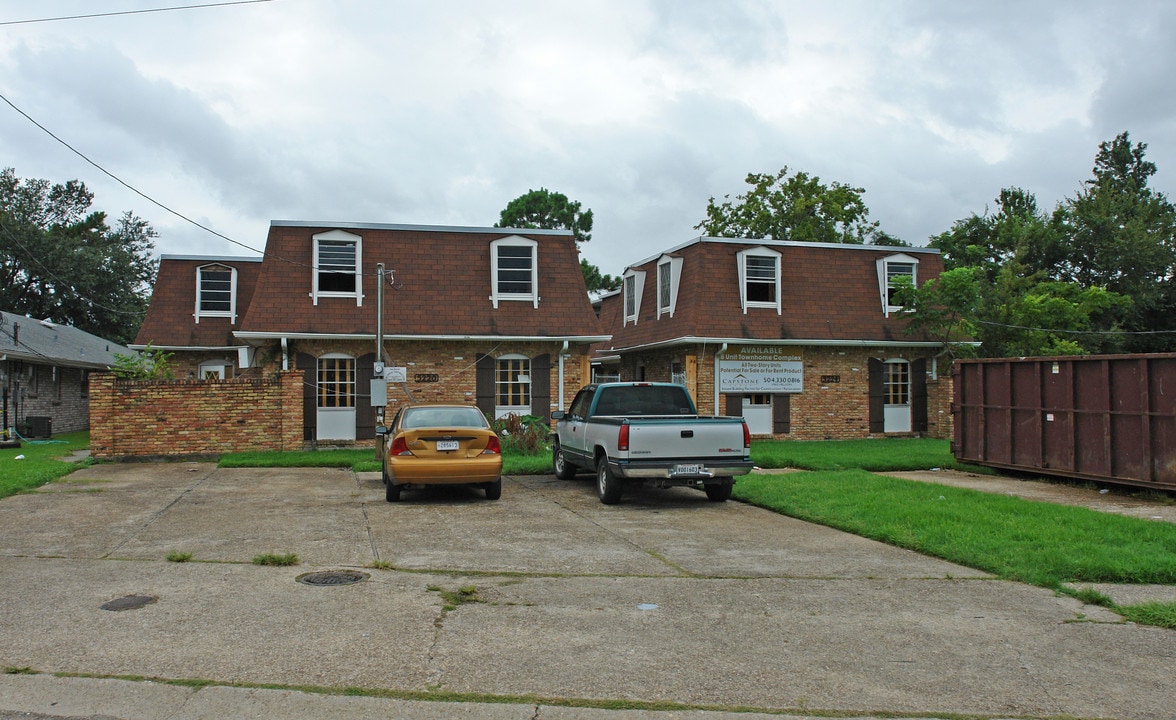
[(802, 339), (494, 316)]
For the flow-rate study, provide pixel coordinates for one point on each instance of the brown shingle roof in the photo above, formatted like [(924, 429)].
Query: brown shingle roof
[(442, 285), (170, 319), (828, 293)]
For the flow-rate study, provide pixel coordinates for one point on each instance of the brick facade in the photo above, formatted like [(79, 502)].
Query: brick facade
[(59, 393), (194, 418), (823, 410)]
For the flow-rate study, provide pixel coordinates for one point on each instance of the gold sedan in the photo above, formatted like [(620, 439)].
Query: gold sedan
[(440, 445)]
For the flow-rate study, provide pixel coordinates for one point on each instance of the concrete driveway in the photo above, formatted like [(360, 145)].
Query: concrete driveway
[(666, 598)]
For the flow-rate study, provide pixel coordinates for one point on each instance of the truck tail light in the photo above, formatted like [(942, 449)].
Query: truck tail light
[(746, 437), (493, 447), (623, 438), (399, 447)]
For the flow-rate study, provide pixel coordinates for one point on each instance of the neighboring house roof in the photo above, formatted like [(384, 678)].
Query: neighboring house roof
[(48, 343), (830, 294), (171, 320), (441, 287)]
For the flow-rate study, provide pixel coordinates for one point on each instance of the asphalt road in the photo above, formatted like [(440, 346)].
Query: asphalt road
[(680, 607)]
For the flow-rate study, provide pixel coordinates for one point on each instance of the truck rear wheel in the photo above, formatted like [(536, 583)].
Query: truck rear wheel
[(608, 485), (720, 492), (564, 470)]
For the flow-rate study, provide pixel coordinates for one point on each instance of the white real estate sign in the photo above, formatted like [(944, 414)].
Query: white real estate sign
[(760, 369)]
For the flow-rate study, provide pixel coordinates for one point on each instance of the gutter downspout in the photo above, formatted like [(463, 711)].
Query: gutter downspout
[(562, 353), (285, 354), (718, 352)]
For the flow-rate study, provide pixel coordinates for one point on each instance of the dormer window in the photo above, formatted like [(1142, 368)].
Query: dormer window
[(759, 279), (216, 292), (337, 266), (669, 276), (514, 270), (633, 283), (889, 269)]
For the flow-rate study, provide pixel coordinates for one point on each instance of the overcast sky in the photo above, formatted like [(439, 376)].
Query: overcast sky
[(440, 113)]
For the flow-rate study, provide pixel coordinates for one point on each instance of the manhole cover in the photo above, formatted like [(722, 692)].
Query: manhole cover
[(130, 602), (333, 577)]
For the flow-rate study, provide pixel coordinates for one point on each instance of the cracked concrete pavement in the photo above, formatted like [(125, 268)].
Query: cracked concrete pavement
[(666, 598)]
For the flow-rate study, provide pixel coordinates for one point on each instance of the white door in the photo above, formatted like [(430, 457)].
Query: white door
[(336, 398), (757, 411), (897, 388)]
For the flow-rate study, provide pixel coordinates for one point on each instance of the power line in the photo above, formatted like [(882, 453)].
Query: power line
[(132, 12)]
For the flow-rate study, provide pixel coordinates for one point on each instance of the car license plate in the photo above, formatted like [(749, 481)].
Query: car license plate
[(443, 445), (687, 469)]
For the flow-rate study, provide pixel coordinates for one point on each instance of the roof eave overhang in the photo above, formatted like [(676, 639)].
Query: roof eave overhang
[(266, 336), (791, 342)]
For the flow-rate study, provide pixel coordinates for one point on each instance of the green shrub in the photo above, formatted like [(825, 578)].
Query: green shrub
[(526, 434)]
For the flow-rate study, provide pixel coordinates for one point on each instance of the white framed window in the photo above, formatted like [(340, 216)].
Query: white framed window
[(514, 270), (759, 279), (338, 263), (896, 383), (336, 381), (633, 283), (216, 292), (889, 268), (512, 385), (669, 277), (213, 370)]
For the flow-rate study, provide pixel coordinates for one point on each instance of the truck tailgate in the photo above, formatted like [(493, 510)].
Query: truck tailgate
[(685, 438)]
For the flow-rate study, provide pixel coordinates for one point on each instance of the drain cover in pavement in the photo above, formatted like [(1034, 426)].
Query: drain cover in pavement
[(130, 602), (332, 577)]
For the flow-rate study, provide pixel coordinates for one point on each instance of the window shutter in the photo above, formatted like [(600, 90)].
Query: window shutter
[(309, 367), (365, 414), (541, 386), (781, 414), (733, 405), (919, 395), (484, 380), (877, 396)]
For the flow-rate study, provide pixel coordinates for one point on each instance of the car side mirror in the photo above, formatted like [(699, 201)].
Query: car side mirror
[(381, 430), (558, 415)]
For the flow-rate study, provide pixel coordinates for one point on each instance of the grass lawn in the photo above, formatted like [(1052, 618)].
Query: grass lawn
[(874, 455), (41, 462)]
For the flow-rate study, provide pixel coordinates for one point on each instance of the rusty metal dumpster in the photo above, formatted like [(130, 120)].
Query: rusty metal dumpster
[(1105, 418)]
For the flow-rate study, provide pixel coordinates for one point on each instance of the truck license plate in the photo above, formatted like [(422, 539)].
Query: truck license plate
[(687, 469), (443, 445)]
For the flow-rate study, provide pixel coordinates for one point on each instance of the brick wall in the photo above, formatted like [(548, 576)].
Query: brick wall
[(823, 410), (55, 392), (185, 418)]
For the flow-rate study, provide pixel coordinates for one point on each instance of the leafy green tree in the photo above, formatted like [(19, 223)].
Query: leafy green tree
[(61, 261), (151, 363), (549, 210), (792, 207), (1002, 287), (1121, 235)]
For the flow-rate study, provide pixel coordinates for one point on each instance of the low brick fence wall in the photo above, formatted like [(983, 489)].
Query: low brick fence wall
[(149, 418)]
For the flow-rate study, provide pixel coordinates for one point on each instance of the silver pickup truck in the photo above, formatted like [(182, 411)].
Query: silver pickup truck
[(648, 433)]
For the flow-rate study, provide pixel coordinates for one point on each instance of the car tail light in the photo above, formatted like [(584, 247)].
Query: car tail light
[(399, 447), (623, 438), (493, 447), (746, 437)]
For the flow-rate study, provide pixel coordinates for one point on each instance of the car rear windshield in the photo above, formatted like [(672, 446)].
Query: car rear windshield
[(424, 417), (626, 400)]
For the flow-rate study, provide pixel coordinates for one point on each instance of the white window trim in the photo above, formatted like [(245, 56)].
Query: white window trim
[(638, 280), (501, 411), (760, 251), (884, 285), (514, 241), (675, 264), (224, 366), (232, 311), (337, 235)]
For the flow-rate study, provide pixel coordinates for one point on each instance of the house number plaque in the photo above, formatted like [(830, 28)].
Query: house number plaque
[(830, 379), (426, 378)]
